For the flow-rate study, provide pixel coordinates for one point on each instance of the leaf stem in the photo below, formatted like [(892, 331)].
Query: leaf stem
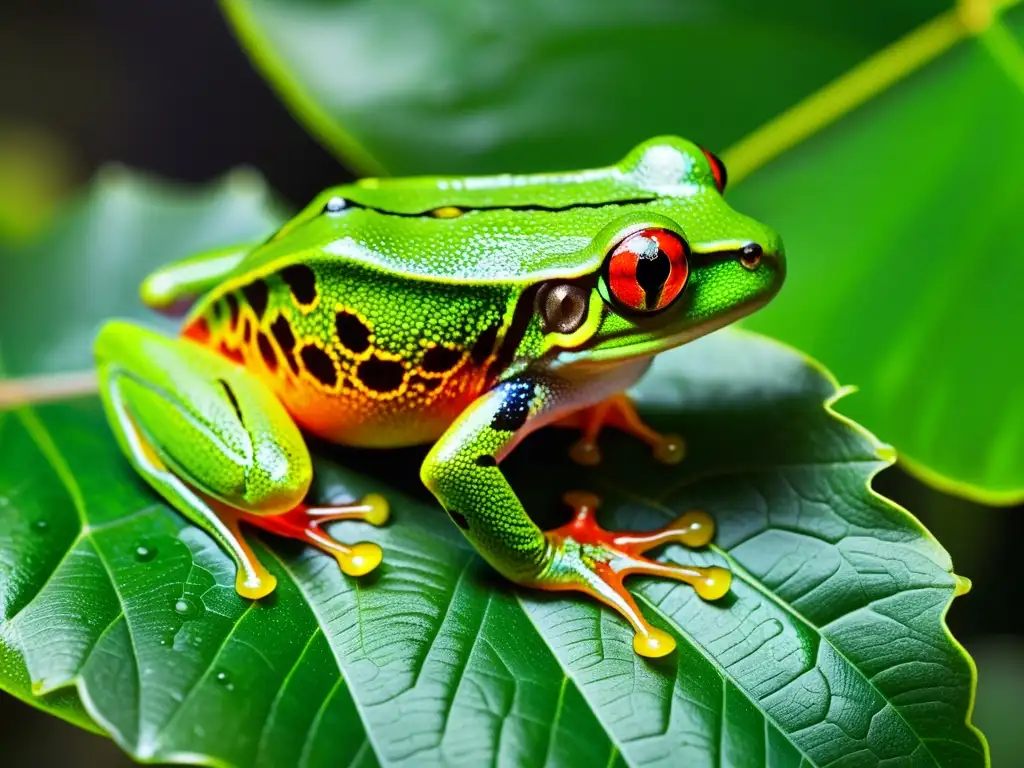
[(1006, 51), (850, 90), (41, 389)]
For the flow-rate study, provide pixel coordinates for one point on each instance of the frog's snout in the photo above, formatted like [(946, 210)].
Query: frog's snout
[(773, 254)]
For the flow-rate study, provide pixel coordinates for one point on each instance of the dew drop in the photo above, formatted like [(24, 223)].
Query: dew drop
[(224, 680), (185, 608), (40, 525), (144, 553)]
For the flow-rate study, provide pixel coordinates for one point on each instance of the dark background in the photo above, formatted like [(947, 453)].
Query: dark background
[(163, 87)]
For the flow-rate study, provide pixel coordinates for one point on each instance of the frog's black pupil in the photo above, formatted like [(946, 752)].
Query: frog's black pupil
[(651, 274)]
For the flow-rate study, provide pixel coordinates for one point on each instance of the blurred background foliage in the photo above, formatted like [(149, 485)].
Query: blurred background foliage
[(920, 186)]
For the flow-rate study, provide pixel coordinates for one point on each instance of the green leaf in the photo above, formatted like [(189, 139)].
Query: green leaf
[(900, 220), (831, 647), (452, 87), (907, 272)]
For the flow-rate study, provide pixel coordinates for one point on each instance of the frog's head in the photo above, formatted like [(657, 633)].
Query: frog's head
[(670, 271)]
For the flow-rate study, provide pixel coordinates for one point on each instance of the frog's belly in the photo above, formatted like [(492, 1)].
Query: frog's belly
[(417, 410)]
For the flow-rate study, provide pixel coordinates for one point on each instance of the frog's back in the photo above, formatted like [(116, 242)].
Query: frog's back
[(503, 228), (387, 306)]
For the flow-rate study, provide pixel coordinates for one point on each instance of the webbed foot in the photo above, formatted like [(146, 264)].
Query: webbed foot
[(303, 523), (586, 558), (618, 411)]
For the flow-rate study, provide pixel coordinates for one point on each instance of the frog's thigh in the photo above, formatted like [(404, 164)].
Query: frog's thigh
[(208, 436)]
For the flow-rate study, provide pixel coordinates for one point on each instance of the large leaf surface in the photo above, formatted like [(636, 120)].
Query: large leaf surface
[(900, 220), (908, 269), (451, 86), (831, 647)]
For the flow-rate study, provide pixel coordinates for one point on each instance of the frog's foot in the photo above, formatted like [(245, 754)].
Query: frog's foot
[(303, 523), (586, 558), (617, 411)]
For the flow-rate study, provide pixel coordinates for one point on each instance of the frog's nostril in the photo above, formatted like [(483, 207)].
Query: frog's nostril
[(750, 255)]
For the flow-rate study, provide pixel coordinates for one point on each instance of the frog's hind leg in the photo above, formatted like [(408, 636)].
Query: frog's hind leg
[(220, 447), (618, 411)]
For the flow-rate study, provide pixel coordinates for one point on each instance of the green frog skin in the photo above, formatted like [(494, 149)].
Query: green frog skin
[(464, 312)]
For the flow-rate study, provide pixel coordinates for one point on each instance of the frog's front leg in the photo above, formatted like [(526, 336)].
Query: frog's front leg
[(220, 447), (462, 471)]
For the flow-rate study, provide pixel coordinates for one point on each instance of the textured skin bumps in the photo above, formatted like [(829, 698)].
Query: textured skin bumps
[(361, 357)]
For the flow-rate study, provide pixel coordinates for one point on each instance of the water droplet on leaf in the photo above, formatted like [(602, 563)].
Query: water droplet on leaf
[(223, 679), (144, 553), (186, 608)]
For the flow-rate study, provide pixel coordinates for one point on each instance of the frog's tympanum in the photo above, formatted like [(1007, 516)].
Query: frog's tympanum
[(463, 312)]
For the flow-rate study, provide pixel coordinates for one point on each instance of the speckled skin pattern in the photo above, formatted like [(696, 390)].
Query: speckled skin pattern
[(466, 311)]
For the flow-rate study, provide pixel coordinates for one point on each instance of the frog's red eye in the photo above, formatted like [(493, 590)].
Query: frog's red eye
[(717, 169), (648, 270)]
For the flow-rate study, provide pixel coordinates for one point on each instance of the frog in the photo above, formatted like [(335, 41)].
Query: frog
[(464, 313)]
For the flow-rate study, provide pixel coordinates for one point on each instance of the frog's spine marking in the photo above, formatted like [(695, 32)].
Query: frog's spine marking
[(440, 359), (281, 330), (337, 206), (353, 332), (267, 351), (321, 365), (301, 280), (257, 293), (381, 376), (232, 301)]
